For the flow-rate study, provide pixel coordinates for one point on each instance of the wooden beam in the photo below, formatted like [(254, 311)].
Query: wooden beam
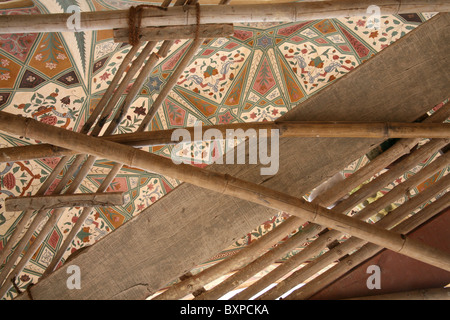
[(207, 31), (400, 148), (418, 56), (64, 201), (284, 248), (186, 15), (367, 251), (397, 170), (348, 246), (137, 85), (298, 129), (16, 4), (311, 230), (223, 184)]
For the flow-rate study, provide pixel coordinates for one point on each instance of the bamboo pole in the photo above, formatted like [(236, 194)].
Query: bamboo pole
[(399, 149), (353, 243), (163, 51), (245, 255), (80, 176), (268, 258), (170, 83), (178, 290), (300, 129), (324, 239), (63, 200), (394, 172), (224, 184), (209, 31), (422, 294), (136, 87), (368, 251), (288, 12)]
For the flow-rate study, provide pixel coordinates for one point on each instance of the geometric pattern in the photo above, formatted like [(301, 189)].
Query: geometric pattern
[(258, 74)]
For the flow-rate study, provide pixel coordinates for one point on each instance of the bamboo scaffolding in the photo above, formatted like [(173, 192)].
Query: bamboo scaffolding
[(210, 31), (80, 176), (400, 148), (137, 85), (163, 51), (227, 185), (319, 244), (195, 282), (85, 129), (352, 244), (38, 218), (62, 201), (105, 104), (192, 284), (288, 12), (300, 129), (394, 172), (368, 251)]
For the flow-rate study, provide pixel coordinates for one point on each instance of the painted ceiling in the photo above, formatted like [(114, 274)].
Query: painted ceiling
[(258, 74)]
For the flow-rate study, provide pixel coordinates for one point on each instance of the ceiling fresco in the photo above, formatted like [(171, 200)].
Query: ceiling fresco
[(258, 74)]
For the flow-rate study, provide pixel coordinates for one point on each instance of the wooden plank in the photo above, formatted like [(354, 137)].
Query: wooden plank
[(64, 201), (186, 15), (211, 222), (207, 31)]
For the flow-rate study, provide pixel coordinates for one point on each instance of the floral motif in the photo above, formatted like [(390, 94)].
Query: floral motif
[(317, 65), (211, 76)]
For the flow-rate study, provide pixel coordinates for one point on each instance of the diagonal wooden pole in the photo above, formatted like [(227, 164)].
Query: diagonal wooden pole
[(287, 12), (399, 149), (353, 243), (225, 184), (164, 49), (62, 200), (368, 251), (105, 105), (268, 258)]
